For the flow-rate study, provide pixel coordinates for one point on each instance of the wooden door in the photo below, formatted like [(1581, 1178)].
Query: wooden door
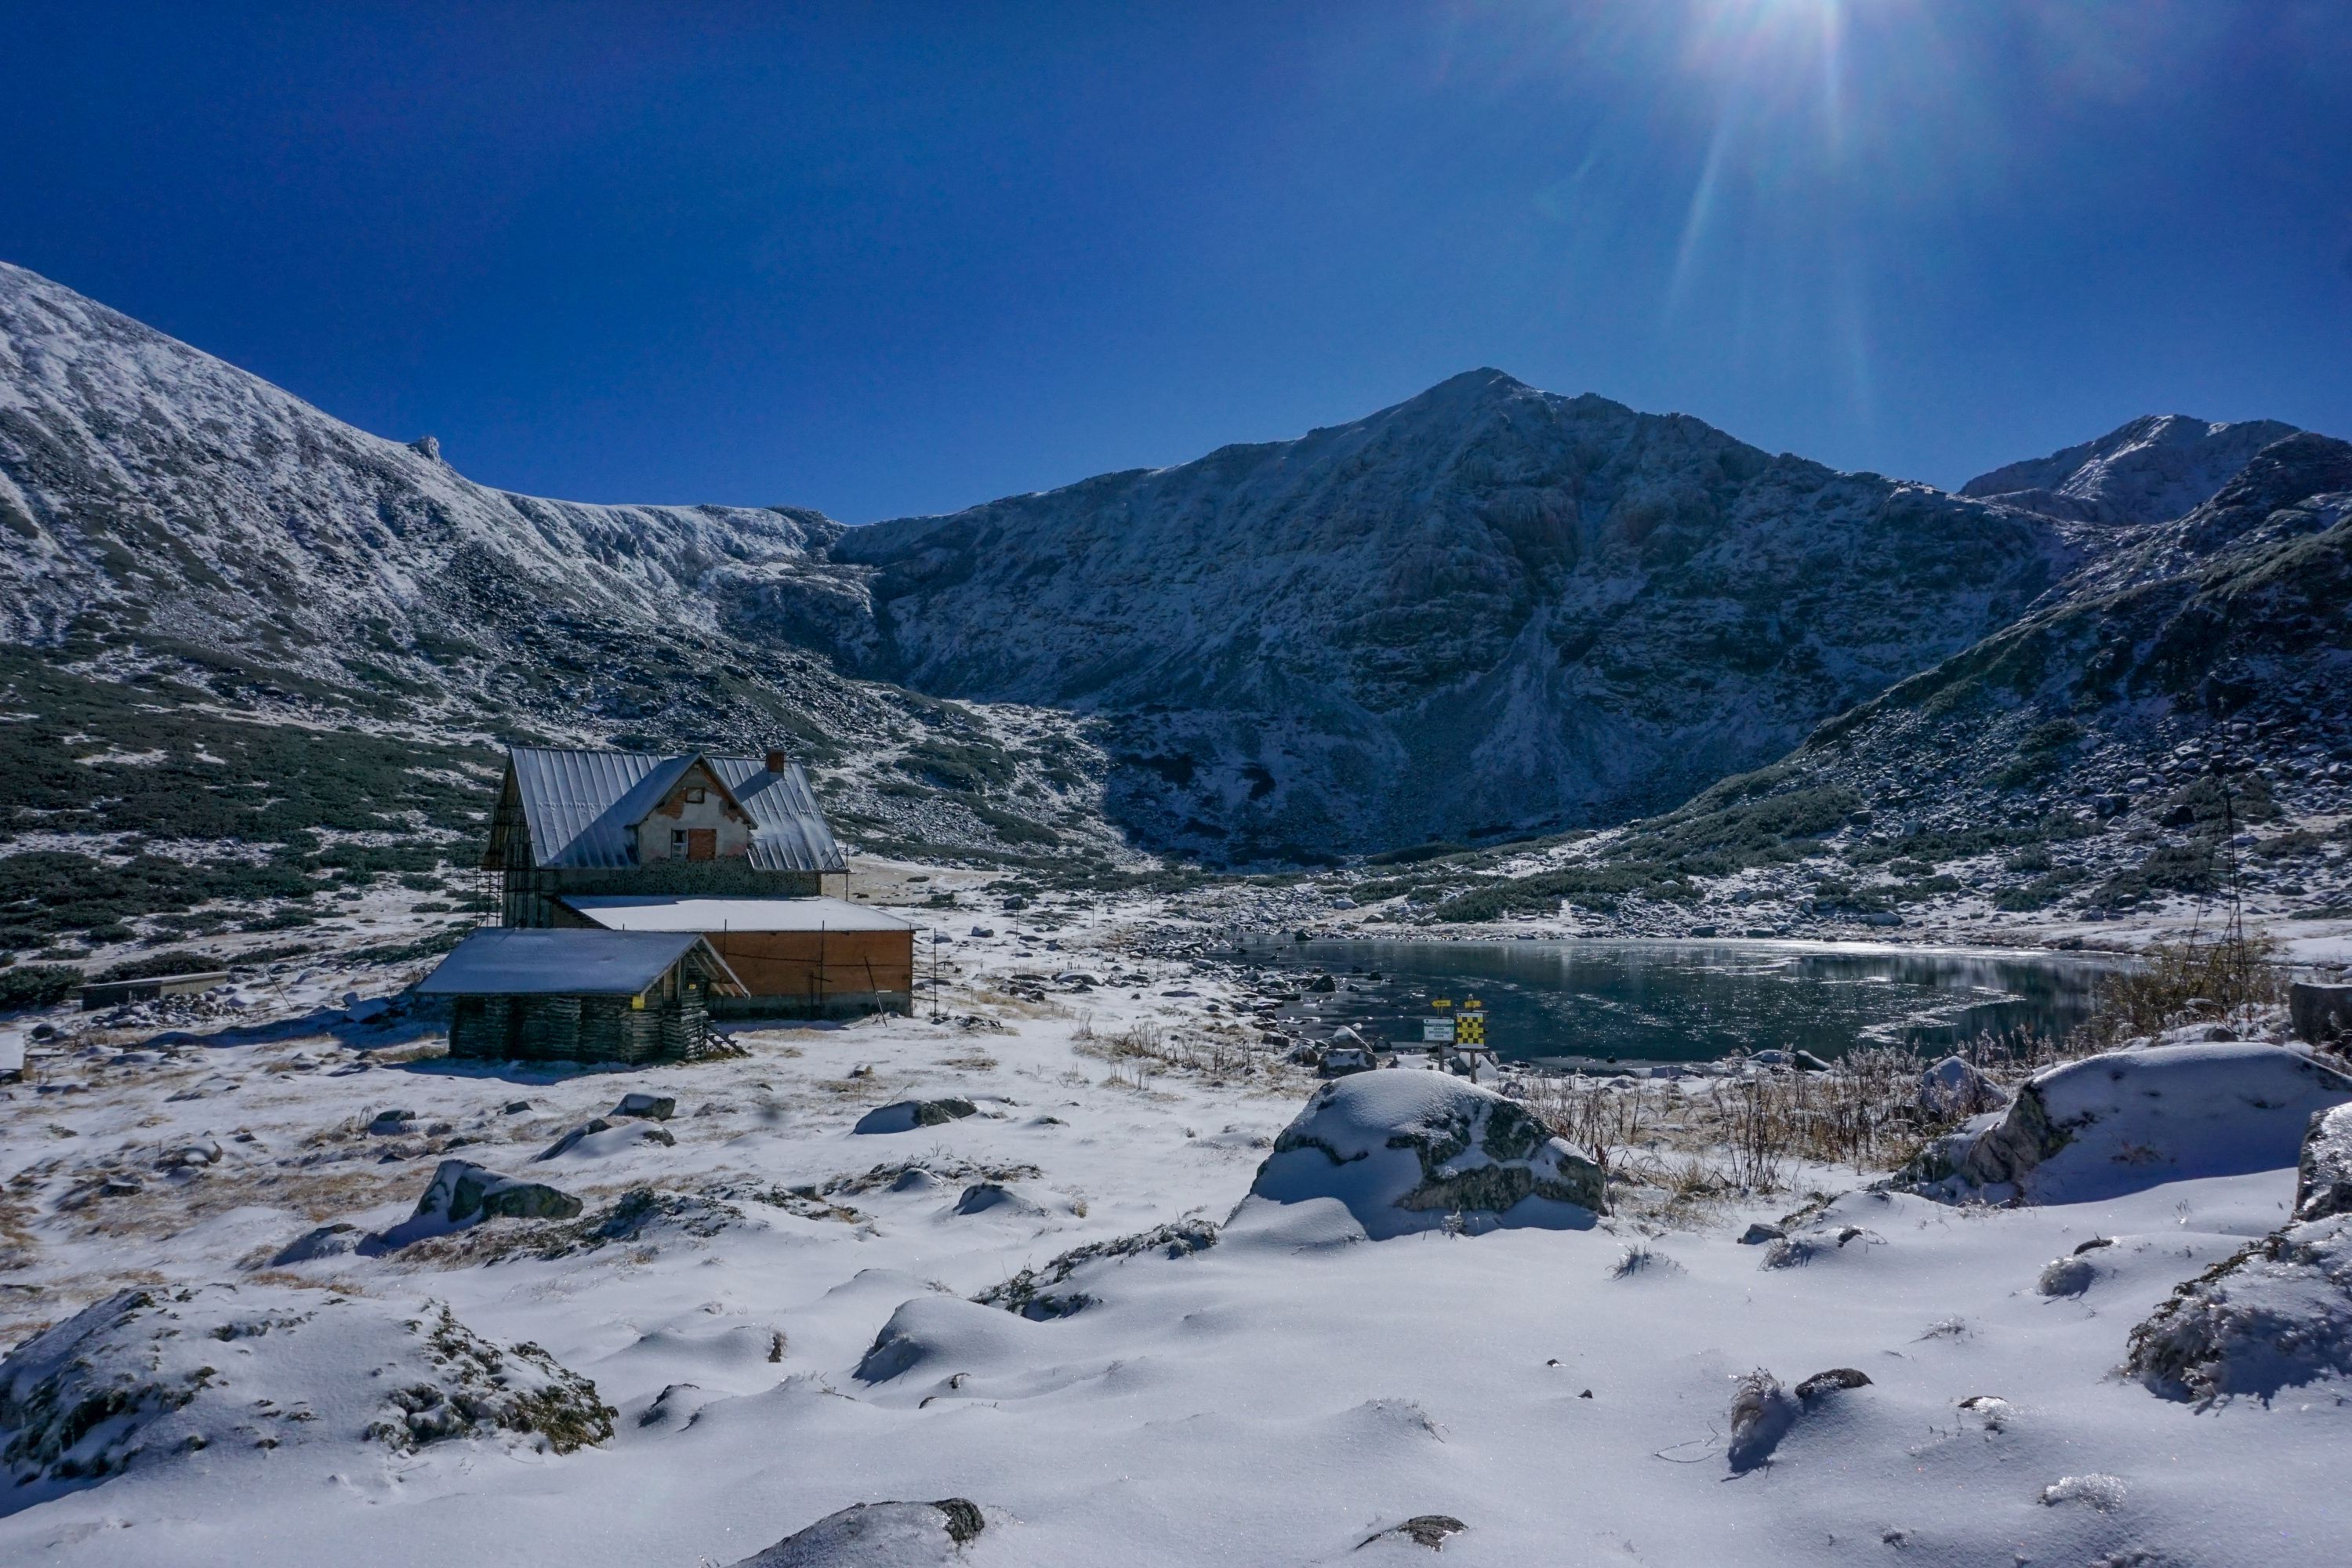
[(702, 844)]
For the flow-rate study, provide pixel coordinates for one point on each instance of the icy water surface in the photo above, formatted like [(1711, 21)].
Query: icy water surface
[(1597, 1000)]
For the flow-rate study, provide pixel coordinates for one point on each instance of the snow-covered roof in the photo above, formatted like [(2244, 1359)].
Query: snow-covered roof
[(538, 962), (580, 806), (643, 913)]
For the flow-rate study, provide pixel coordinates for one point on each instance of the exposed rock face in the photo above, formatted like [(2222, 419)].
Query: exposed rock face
[(2279, 1312), (146, 1376), (2129, 1120), (2217, 641), (2323, 1183), (1406, 1150), (880, 1535), (1489, 607)]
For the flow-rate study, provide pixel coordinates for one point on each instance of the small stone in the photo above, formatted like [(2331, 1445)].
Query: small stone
[(651, 1106), (1428, 1530), (1828, 1382)]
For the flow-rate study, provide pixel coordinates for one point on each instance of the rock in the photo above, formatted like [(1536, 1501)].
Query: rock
[(597, 1136), (1952, 1090), (907, 1115), (133, 1379), (2323, 1182), (2067, 1277), (1321, 982), (1756, 1233), (2277, 1314), (327, 1241), (1428, 1530), (653, 1107), (1761, 1414), (391, 1124), (1805, 1061), (1402, 1151), (1339, 1061), (2124, 1121), (2320, 1013), (462, 1193), (1831, 1382), (1034, 1293), (880, 1535), (994, 1197), (515, 1108)]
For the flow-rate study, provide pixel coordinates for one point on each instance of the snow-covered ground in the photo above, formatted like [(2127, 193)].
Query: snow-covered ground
[(787, 1328)]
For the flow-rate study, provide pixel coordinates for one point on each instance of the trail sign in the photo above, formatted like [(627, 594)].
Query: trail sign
[(1437, 1031), (1470, 1029)]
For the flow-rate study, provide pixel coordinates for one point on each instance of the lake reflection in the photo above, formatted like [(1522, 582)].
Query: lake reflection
[(1692, 1001)]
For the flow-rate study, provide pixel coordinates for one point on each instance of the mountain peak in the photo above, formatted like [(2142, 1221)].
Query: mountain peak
[(2149, 469)]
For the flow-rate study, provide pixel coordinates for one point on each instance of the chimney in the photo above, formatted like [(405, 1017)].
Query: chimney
[(777, 762)]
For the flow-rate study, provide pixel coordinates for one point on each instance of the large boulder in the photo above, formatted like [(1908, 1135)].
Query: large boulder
[(1409, 1150), (2277, 1313), (881, 1535), (2127, 1120), (462, 1193), (150, 1375)]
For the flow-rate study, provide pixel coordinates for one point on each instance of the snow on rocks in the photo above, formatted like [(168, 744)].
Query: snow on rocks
[(2128, 1119), (462, 1193), (596, 1138), (882, 1535), (908, 1115), (2279, 1312), (2323, 1179), (148, 1376), (1403, 1151)]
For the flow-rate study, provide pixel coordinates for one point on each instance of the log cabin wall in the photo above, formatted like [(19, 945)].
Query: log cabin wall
[(818, 973)]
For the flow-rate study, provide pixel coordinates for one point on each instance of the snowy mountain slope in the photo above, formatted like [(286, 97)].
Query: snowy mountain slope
[(177, 535), (2158, 466), (1486, 609), (2178, 713)]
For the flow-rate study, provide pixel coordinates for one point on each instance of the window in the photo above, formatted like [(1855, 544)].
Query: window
[(678, 843), (697, 795)]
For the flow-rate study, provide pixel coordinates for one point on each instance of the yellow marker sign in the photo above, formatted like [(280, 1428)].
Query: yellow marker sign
[(1470, 1030), (1442, 1002)]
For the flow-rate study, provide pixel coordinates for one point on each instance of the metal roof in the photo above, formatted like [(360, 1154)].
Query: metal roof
[(508, 962), (581, 805), (639, 912)]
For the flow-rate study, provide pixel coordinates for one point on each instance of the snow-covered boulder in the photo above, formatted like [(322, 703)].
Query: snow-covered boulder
[(2277, 1313), (1407, 1151), (597, 1138), (2128, 1119), (909, 1115), (882, 1535), (150, 1375)]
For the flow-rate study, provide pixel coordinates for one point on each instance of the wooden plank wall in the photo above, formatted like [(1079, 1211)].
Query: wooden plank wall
[(819, 965)]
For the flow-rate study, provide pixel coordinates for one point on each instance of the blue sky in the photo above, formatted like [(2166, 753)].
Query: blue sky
[(886, 258)]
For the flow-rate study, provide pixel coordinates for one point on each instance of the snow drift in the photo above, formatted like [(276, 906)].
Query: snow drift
[(2127, 1120), (149, 1376), (2279, 1312)]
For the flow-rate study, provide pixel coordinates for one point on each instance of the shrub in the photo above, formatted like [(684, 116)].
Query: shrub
[(26, 986)]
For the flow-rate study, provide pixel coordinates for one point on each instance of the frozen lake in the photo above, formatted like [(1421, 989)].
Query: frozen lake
[(1631, 1001)]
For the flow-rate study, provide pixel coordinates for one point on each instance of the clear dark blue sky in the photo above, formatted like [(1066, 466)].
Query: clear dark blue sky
[(889, 259)]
